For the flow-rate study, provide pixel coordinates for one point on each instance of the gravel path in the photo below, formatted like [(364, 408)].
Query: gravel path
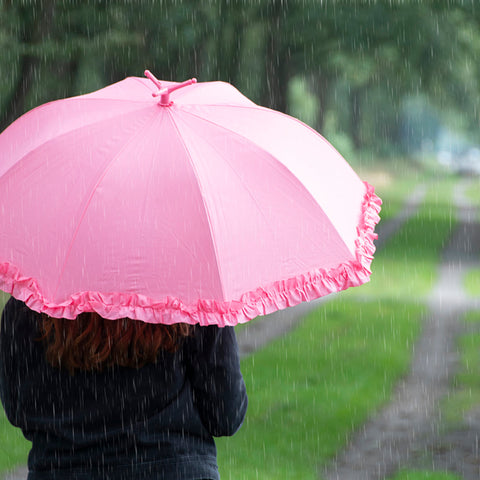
[(407, 432)]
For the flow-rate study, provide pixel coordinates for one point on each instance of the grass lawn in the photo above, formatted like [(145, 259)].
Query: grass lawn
[(13, 445), (424, 475), (472, 279), (394, 194), (473, 191), (471, 282), (3, 299)]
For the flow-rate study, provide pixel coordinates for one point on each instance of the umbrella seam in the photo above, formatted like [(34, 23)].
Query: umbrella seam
[(92, 192), (207, 213)]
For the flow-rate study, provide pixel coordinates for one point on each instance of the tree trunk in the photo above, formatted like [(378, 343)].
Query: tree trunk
[(321, 84), (67, 70)]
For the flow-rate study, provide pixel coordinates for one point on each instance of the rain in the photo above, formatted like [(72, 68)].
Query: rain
[(379, 381)]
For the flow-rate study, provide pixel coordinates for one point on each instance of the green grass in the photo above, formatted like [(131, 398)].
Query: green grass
[(473, 192), (471, 282), (14, 447), (3, 299), (466, 392), (424, 475), (471, 317), (394, 194), (309, 390)]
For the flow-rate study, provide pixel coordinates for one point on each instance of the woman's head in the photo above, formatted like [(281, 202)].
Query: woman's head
[(91, 342)]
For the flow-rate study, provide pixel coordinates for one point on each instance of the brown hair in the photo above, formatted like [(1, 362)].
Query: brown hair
[(91, 342)]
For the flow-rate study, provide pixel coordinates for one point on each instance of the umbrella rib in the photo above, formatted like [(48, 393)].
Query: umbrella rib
[(207, 213), (92, 192)]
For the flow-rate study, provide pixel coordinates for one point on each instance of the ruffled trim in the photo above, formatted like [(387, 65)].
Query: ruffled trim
[(276, 296)]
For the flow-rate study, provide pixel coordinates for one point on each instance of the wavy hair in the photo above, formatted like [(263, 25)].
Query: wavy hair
[(91, 342)]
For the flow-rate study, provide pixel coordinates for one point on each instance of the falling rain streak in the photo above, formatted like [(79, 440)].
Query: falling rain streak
[(394, 87)]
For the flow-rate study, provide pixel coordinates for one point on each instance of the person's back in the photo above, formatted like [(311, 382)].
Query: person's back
[(154, 421)]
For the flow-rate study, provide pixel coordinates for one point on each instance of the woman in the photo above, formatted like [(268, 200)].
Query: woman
[(118, 399)]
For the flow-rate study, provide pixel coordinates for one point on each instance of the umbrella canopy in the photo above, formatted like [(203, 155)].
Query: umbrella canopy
[(168, 202)]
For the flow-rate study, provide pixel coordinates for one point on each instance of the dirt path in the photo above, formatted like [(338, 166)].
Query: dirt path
[(407, 432)]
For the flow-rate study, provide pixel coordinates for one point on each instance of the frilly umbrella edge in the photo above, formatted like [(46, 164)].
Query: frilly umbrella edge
[(276, 296)]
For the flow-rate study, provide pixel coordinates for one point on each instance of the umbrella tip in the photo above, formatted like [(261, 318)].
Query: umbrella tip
[(152, 77)]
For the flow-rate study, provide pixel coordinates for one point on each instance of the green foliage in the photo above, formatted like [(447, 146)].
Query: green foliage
[(358, 61), (394, 192), (303, 103)]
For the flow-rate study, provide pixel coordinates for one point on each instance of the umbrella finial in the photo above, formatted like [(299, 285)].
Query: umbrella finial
[(164, 93)]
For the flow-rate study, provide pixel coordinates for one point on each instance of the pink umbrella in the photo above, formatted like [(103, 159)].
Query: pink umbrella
[(168, 202)]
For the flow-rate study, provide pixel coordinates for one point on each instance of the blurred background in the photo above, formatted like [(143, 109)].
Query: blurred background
[(395, 87), (377, 78)]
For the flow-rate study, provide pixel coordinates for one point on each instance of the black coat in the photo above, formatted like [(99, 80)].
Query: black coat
[(157, 421)]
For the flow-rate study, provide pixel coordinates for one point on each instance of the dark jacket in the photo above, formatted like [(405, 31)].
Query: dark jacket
[(154, 422)]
